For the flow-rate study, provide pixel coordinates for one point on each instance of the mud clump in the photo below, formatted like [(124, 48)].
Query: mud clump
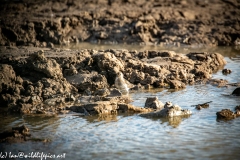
[(42, 80), (108, 64), (16, 134), (108, 108), (39, 63), (201, 106), (153, 102), (92, 81), (168, 111), (96, 108), (35, 81), (227, 114), (11, 85)]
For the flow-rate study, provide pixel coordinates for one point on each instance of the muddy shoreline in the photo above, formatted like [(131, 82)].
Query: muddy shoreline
[(43, 81), (45, 23), (50, 81)]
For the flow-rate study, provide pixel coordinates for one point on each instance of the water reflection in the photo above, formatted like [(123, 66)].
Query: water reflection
[(106, 118), (129, 136), (98, 118), (9, 121), (170, 121), (175, 121)]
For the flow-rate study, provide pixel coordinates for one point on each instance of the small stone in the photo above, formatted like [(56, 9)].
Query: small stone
[(237, 113), (236, 92), (169, 111), (225, 114), (200, 106), (175, 84), (102, 92), (226, 71), (153, 102), (237, 108)]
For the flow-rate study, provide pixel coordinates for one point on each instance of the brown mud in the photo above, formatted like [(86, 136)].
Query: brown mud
[(16, 134), (51, 81), (227, 114), (44, 23), (39, 80)]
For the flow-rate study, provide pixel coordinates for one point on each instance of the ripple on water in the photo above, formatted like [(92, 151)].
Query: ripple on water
[(199, 136)]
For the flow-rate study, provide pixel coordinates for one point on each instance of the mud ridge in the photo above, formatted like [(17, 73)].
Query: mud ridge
[(44, 23), (51, 81)]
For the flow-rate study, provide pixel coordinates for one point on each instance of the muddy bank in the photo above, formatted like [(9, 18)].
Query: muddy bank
[(53, 80), (45, 23), (16, 134)]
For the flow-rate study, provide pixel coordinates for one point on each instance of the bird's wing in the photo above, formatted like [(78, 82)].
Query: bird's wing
[(129, 85)]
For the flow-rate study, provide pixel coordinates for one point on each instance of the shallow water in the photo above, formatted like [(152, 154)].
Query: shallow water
[(199, 136)]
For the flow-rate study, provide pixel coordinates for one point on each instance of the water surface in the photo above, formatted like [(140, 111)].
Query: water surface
[(199, 136)]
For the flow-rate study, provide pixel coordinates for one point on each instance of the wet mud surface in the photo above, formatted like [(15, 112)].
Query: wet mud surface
[(40, 80), (155, 22), (43, 81), (37, 71)]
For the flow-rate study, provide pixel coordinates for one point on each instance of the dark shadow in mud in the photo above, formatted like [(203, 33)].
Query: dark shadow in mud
[(171, 121)]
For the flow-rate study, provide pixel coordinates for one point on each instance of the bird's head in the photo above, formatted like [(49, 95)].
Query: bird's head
[(120, 74)]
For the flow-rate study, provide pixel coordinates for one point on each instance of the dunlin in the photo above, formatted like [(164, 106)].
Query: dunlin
[(120, 83)]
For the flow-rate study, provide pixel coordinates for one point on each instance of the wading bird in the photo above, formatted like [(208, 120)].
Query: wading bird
[(120, 83)]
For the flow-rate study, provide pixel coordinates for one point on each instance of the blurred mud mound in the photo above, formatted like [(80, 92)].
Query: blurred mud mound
[(45, 23)]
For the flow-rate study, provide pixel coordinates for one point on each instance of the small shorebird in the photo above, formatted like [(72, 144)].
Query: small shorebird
[(168, 104), (120, 83)]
